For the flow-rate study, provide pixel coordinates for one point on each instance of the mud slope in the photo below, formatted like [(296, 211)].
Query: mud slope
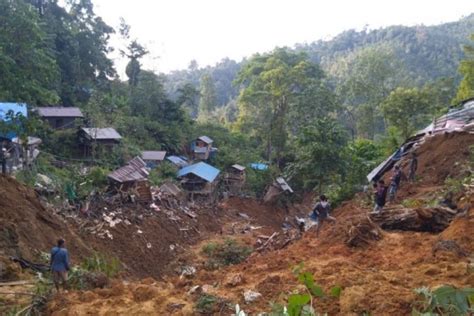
[(378, 278)]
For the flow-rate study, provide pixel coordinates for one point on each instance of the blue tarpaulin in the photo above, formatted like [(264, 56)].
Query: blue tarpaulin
[(258, 166), (202, 170)]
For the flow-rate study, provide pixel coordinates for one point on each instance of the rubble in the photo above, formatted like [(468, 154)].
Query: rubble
[(251, 296)]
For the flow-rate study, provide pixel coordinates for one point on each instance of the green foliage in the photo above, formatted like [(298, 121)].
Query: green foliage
[(163, 172), (209, 304), (226, 253), (445, 300), (408, 110), (466, 68), (207, 102), (98, 262)]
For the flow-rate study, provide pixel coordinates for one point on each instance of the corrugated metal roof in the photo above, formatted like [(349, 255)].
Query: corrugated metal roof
[(238, 167), (59, 111), (5, 107), (202, 170), (206, 139), (180, 162), (283, 185), (153, 155), (134, 170), (259, 166), (102, 133)]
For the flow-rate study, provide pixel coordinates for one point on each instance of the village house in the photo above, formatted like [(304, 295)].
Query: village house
[(279, 186), (102, 139), (202, 148), (60, 117), (153, 158), (235, 179), (199, 181), (132, 179), (179, 162)]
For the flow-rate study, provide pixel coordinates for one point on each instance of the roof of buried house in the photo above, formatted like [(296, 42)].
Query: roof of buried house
[(134, 170)]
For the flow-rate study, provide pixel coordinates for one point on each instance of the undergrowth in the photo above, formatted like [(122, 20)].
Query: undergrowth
[(445, 300), (226, 253)]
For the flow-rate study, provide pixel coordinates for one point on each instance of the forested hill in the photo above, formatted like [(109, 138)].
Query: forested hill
[(426, 53)]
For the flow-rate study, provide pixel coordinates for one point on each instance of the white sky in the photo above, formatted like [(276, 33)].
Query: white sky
[(177, 31)]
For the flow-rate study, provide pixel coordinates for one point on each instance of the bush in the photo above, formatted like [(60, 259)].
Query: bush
[(445, 300), (226, 253), (110, 266)]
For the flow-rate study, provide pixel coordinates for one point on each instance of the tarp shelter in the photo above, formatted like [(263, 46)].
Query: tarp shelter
[(259, 166), (177, 161), (17, 109)]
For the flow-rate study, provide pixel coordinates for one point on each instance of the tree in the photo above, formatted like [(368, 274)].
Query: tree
[(282, 91), (466, 68), (319, 153), (207, 103), (188, 98), (134, 52), (407, 110), (369, 78), (28, 70)]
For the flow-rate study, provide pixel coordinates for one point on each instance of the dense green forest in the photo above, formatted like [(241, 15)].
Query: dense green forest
[(321, 114)]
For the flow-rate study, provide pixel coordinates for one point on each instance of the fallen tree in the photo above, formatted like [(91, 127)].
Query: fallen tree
[(425, 219)]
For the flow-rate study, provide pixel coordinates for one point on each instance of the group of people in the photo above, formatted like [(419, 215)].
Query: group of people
[(380, 190), (320, 212)]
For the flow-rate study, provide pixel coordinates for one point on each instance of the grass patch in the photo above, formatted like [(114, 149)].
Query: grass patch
[(226, 253)]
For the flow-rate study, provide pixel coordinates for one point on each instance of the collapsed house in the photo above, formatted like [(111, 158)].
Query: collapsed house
[(202, 148), (132, 178), (279, 186), (199, 181), (60, 117), (234, 179), (461, 119), (104, 139), (153, 158)]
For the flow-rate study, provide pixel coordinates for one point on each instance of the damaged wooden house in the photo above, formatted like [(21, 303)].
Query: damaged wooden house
[(199, 181), (98, 140), (234, 179), (202, 148), (132, 180), (278, 187)]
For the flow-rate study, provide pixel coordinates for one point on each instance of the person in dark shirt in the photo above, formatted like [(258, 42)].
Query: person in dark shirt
[(395, 182), (413, 167), (321, 213), (59, 264), (380, 195)]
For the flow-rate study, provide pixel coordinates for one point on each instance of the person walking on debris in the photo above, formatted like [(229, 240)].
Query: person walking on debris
[(321, 213), (380, 196), (413, 167), (60, 265), (395, 183)]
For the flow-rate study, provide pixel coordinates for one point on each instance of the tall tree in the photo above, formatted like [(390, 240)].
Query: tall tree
[(188, 98), (278, 86), (134, 52), (207, 103), (28, 70), (407, 110), (466, 68)]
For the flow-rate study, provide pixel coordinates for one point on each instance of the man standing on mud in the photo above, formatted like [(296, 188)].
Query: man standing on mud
[(413, 167), (59, 264), (321, 212)]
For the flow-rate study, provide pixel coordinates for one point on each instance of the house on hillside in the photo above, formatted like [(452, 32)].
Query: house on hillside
[(199, 181), (178, 161), (16, 151), (202, 148), (234, 179), (133, 177), (60, 117), (93, 139), (153, 158)]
